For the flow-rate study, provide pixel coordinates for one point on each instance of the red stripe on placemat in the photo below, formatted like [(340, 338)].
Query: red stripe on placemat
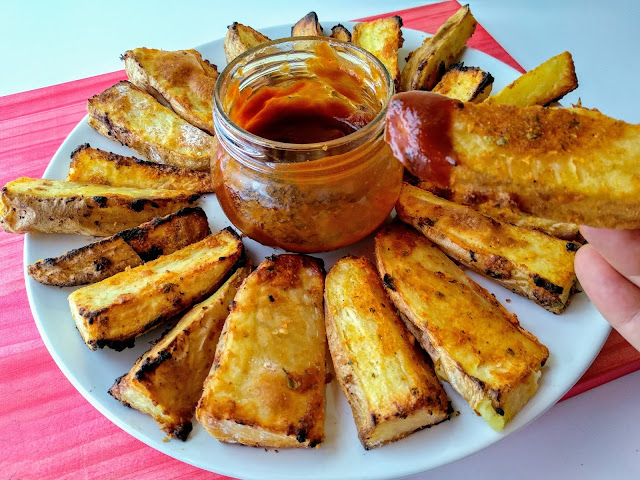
[(429, 20)]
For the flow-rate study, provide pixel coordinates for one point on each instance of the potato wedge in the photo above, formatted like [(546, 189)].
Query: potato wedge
[(570, 165), (266, 386), (111, 313), (475, 343), (307, 26), (127, 249), (92, 165), (340, 32), (241, 38), (426, 65), (505, 210), (182, 80), (547, 83), (467, 84), (391, 389), (525, 261), (166, 382), (54, 206), (383, 38), (134, 118)]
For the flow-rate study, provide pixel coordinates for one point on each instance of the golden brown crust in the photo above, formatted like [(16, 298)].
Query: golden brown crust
[(166, 382), (53, 206), (307, 26), (266, 385), (133, 117), (391, 389), (182, 78), (426, 65), (383, 38), (525, 261), (114, 311), (92, 165), (340, 32), (475, 343), (241, 38), (467, 84)]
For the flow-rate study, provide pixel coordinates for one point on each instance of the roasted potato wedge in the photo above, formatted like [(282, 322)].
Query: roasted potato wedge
[(92, 165), (111, 313), (54, 206), (391, 389), (266, 386), (426, 65), (547, 83), (525, 261), (570, 165), (307, 26), (475, 343), (383, 38), (505, 210), (467, 84), (241, 38), (132, 116), (166, 382), (340, 32), (127, 249), (182, 80)]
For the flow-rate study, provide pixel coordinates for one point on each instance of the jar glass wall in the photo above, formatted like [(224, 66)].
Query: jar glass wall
[(317, 195)]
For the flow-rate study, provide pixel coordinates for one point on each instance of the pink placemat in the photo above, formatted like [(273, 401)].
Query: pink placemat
[(49, 430)]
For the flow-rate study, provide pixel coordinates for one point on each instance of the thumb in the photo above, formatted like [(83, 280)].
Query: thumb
[(617, 298)]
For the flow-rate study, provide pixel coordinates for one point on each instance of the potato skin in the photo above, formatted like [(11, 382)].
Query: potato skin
[(307, 26), (240, 38), (54, 206)]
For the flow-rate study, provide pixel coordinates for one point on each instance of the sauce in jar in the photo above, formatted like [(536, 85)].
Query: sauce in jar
[(302, 164)]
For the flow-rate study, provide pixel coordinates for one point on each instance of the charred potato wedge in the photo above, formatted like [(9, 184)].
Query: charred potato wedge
[(182, 80), (307, 26), (475, 343), (166, 382), (91, 165), (54, 206), (467, 84), (525, 261), (127, 249), (547, 83), (570, 165), (266, 385), (134, 118), (340, 32), (241, 38), (111, 313), (383, 38), (383, 373), (426, 65), (505, 210)]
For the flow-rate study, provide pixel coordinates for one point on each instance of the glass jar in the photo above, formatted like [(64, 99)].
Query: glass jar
[(313, 185)]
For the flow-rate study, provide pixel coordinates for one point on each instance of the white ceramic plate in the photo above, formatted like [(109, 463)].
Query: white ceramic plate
[(574, 339)]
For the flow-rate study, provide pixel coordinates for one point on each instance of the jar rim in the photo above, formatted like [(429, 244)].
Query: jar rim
[(370, 127)]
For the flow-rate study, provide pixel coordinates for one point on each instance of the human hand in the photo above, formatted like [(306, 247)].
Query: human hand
[(608, 268)]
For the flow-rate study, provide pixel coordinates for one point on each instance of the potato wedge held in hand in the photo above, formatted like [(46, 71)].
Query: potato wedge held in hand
[(266, 386), (54, 206), (383, 38), (568, 164), (548, 82), (383, 373), (241, 38), (113, 312), (525, 261), (426, 65), (166, 382), (132, 116), (182, 80), (92, 165), (127, 249), (475, 343), (307, 26)]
